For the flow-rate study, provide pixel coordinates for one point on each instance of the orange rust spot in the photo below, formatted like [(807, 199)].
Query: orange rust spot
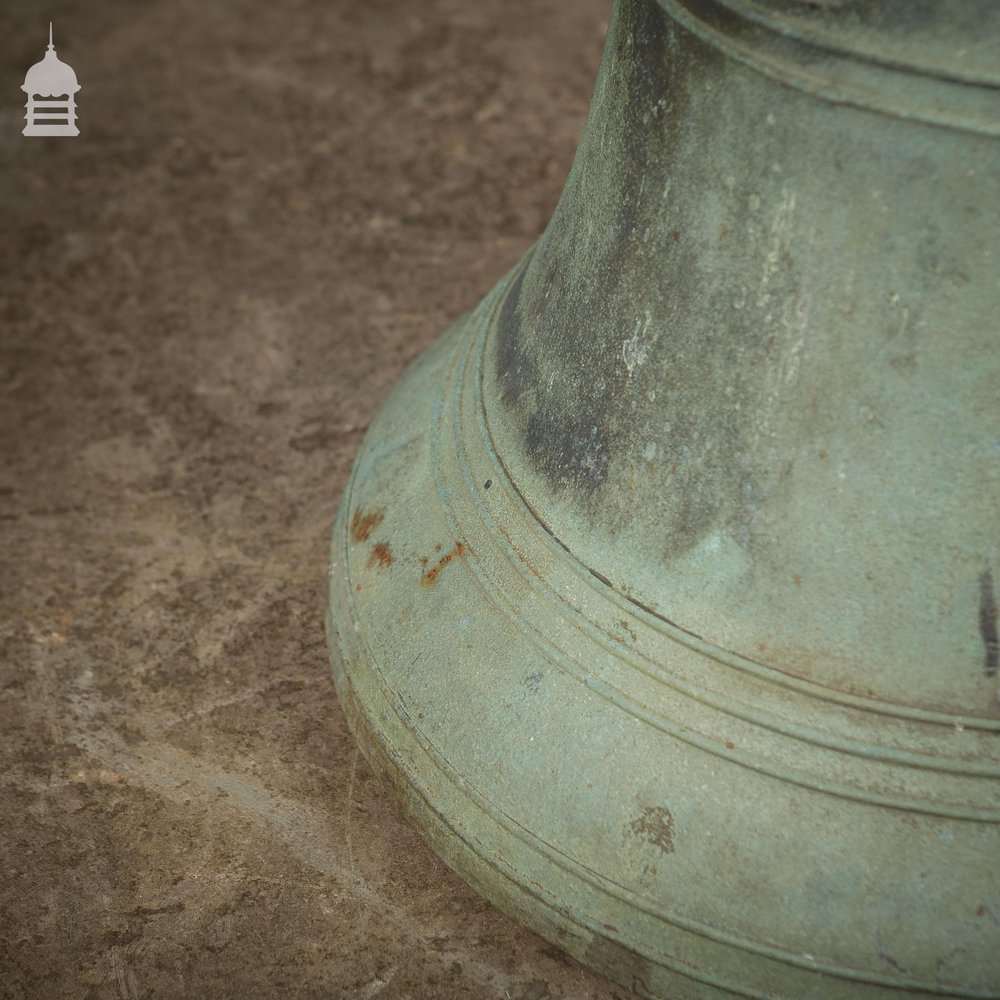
[(430, 577), (822, 455), (796, 579), (357, 586), (381, 554), (364, 522), (730, 745)]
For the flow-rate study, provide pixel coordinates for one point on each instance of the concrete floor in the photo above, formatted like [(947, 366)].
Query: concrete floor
[(272, 208)]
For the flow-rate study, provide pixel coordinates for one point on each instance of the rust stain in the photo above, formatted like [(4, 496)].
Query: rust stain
[(656, 826), (796, 579), (430, 577), (381, 554), (364, 522)]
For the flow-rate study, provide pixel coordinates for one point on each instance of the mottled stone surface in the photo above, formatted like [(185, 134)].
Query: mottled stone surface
[(271, 209)]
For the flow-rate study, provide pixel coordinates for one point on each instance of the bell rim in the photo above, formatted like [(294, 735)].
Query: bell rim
[(382, 729)]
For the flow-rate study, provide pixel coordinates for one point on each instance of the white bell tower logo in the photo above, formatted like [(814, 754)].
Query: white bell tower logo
[(51, 88)]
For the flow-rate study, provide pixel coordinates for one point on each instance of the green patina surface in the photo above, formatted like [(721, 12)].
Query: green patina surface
[(663, 589)]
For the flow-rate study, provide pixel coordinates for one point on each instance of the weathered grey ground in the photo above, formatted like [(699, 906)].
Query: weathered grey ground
[(272, 208)]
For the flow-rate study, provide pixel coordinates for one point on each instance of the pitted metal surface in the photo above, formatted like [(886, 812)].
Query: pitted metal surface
[(686, 654)]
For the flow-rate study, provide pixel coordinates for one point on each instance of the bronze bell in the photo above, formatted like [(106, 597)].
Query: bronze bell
[(663, 591)]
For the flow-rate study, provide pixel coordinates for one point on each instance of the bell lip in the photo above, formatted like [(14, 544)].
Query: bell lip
[(394, 742), (596, 946)]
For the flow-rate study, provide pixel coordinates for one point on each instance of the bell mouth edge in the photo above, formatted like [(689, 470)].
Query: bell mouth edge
[(464, 847), (380, 728)]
